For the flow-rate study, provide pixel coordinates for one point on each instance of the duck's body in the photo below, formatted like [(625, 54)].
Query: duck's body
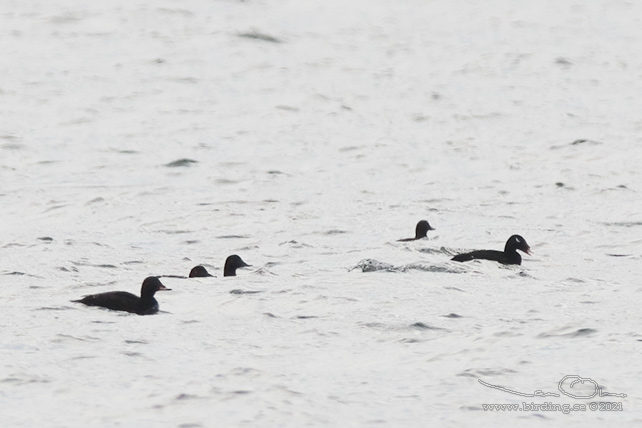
[(146, 304), (421, 231), (509, 256)]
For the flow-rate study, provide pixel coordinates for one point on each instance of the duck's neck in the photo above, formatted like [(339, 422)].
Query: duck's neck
[(147, 297), (513, 257)]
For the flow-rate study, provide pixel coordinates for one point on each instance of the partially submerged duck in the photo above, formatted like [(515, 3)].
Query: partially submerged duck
[(232, 263), (146, 304), (509, 256), (421, 231), (199, 272)]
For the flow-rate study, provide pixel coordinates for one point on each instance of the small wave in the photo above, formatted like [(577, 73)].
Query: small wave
[(239, 291), (174, 231), (477, 373), (417, 326), (452, 251), (263, 271), (24, 380), (429, 268), (585, 141), (255, 35), (295, 244), (334, 232), (371, 265), (625, 223), (373, 325), (582, 332), (107, 266), (181, 163), (432, 250), (423, 326), (184, 396)]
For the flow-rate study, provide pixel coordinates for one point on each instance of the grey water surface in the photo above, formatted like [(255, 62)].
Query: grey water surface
[(142, 138)]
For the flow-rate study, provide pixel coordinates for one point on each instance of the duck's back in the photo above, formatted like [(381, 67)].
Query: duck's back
[(114, 300), (498, 256)]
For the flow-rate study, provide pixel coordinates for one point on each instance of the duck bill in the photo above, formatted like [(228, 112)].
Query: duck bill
[(528, 251), (163, 288)]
